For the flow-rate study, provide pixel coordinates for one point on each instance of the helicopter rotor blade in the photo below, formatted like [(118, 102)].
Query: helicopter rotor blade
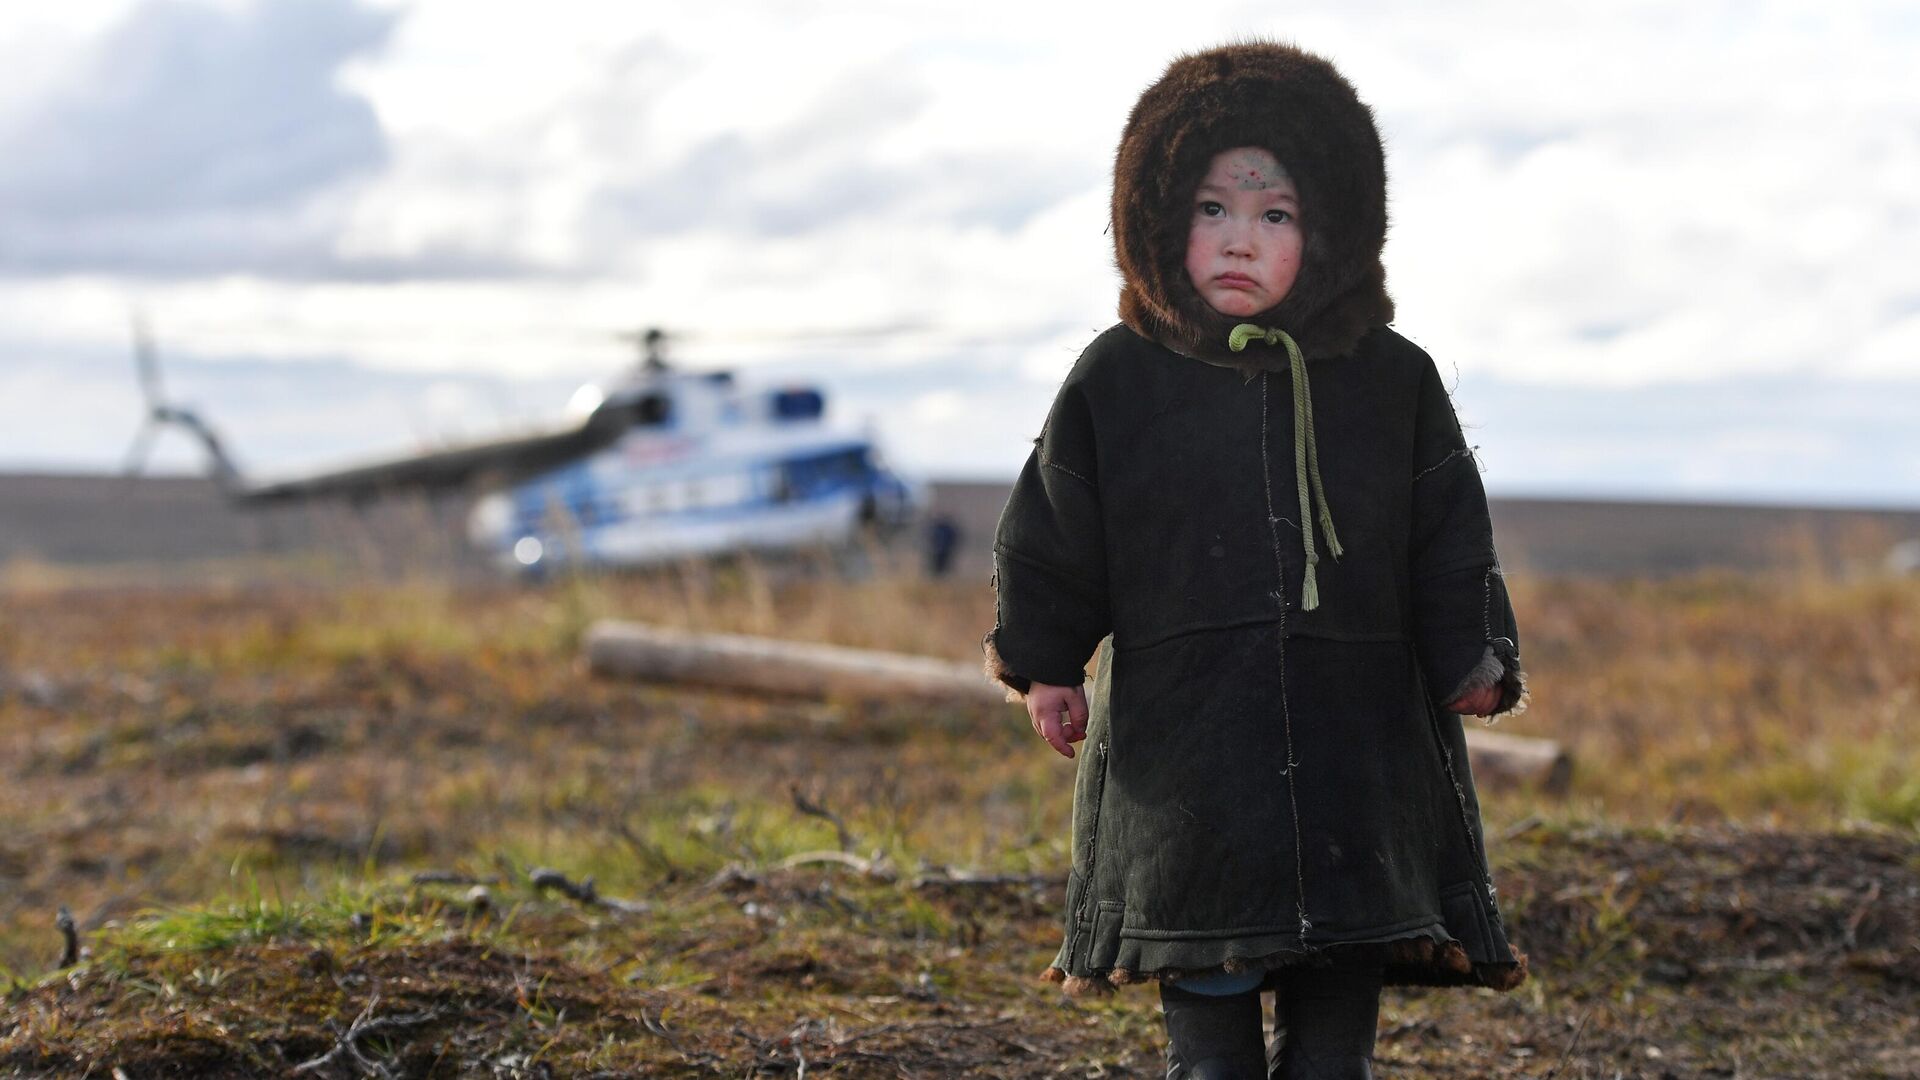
[(146, 361), (136, 460)]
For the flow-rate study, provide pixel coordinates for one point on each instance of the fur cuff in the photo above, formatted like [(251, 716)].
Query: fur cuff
[(1496, 669), (997, 670), (1514, 698), (1484, 674)]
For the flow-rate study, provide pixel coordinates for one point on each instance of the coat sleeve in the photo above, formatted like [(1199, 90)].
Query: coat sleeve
[(1464, 628), (1049, 558)]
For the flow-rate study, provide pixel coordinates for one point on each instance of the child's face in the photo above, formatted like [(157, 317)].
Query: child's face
[(1243, 249)]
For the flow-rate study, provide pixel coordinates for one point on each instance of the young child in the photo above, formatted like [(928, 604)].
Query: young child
[(1261, 493)]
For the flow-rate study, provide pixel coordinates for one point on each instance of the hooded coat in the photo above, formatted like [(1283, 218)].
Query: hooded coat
[(1264, 781)]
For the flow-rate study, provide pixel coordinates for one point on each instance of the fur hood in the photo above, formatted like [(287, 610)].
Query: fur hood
[(1297, 106)]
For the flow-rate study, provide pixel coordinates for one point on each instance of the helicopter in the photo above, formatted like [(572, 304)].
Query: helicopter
[(661, 465)]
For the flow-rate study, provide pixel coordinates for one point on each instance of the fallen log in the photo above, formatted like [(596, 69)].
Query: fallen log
[(777, 667), (1498, 759), (783, 668)]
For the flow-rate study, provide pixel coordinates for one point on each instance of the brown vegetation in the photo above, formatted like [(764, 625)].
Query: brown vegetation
[(232, 791)]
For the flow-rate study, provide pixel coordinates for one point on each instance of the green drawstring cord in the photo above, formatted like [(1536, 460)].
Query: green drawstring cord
[(1306, 455)]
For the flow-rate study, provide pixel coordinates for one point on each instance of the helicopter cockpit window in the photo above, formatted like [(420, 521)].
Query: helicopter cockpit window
[(798, 405), (651, 410), (827, 473)]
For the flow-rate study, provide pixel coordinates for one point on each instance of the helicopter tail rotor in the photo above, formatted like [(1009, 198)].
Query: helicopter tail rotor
[(161, 414), (135, 461)]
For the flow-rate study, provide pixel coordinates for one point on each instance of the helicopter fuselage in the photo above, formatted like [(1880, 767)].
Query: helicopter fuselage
[(702, 469)]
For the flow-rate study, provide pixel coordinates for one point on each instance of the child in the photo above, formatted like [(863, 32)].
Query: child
[(1262, 495)]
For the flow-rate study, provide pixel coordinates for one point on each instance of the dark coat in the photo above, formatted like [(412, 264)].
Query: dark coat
[(1260, 782), (1263, 782)]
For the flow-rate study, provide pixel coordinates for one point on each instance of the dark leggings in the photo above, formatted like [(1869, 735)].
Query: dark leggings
[(1323, 1030)]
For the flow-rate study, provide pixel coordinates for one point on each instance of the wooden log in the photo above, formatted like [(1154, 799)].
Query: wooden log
[(809, 670), (1498, 758), (777, 667)]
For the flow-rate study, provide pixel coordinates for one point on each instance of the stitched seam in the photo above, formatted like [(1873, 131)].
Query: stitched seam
[(1142, 933), (1057, 467), (1047, 568), (1486, 605), (1359, 636), (1466, 822), (1179, 632), (1464, 451), (1286, 712), (1486, 872), (1093, 835), (1454, 567)]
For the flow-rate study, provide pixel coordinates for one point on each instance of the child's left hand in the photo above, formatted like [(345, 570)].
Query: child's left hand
[(1479, 702)]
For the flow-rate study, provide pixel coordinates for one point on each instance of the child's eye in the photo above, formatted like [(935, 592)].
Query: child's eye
[(1278, 217), (1212, 209)]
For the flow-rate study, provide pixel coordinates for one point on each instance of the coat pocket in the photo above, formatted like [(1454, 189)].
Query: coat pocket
[(1109, 916), (1078, 928), (1471, 921)]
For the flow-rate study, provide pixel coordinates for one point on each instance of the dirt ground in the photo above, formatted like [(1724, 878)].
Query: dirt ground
[(343, 835)]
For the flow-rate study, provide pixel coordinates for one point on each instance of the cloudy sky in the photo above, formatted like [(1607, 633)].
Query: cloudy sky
[(1667, 249)]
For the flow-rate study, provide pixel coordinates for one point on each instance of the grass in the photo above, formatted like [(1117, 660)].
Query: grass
[(233, 788)]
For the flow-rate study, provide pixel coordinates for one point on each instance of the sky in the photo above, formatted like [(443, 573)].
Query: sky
[(1662, 250)]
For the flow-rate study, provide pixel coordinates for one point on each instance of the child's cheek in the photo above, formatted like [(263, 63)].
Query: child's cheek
[(1197, 248)]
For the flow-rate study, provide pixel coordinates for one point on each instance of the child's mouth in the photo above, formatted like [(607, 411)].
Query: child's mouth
[(1236, 281)]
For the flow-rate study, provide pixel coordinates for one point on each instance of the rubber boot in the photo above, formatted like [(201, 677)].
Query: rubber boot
[(1213, 1036), (1324, 1020)]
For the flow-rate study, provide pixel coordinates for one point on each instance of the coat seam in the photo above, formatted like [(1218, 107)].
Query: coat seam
[(1464, 451), (1046, 568), (1457, 565), (1141, 933), (1362, 637), (1460, 798), (1280, 644), (1093, 831), (1057, 467)]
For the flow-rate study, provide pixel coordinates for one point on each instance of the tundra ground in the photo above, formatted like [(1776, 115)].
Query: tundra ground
[(352, 830)]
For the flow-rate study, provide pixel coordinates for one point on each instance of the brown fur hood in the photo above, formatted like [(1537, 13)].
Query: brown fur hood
[(1297, 106)]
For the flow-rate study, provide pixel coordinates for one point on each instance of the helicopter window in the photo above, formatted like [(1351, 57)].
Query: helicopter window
[(827, 473), (798, 405), (650, 410)]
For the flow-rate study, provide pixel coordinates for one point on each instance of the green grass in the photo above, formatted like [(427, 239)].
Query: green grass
[(229, 778)]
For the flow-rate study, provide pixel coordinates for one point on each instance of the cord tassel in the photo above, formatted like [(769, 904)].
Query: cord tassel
[(1306, 456)]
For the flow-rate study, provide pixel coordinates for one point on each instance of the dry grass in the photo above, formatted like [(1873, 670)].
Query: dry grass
[(217, 781), (1783, 701)]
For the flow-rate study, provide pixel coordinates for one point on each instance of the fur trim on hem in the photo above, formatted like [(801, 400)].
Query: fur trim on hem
[(1423, 960), (1076, 985), (1503, 977)]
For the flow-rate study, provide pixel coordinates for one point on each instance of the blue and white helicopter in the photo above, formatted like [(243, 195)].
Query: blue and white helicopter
[(664, 465)]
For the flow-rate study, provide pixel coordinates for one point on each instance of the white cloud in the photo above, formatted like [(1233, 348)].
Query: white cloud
[(1604, 197), (190, 140)]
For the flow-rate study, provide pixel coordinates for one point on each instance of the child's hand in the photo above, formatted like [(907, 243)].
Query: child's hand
[(1045, 704), (1479, 702)]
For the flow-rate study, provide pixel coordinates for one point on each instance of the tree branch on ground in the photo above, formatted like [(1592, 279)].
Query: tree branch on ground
[(347, 1050)]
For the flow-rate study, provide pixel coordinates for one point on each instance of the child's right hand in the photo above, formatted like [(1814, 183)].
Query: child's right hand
[(1045, 703)]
